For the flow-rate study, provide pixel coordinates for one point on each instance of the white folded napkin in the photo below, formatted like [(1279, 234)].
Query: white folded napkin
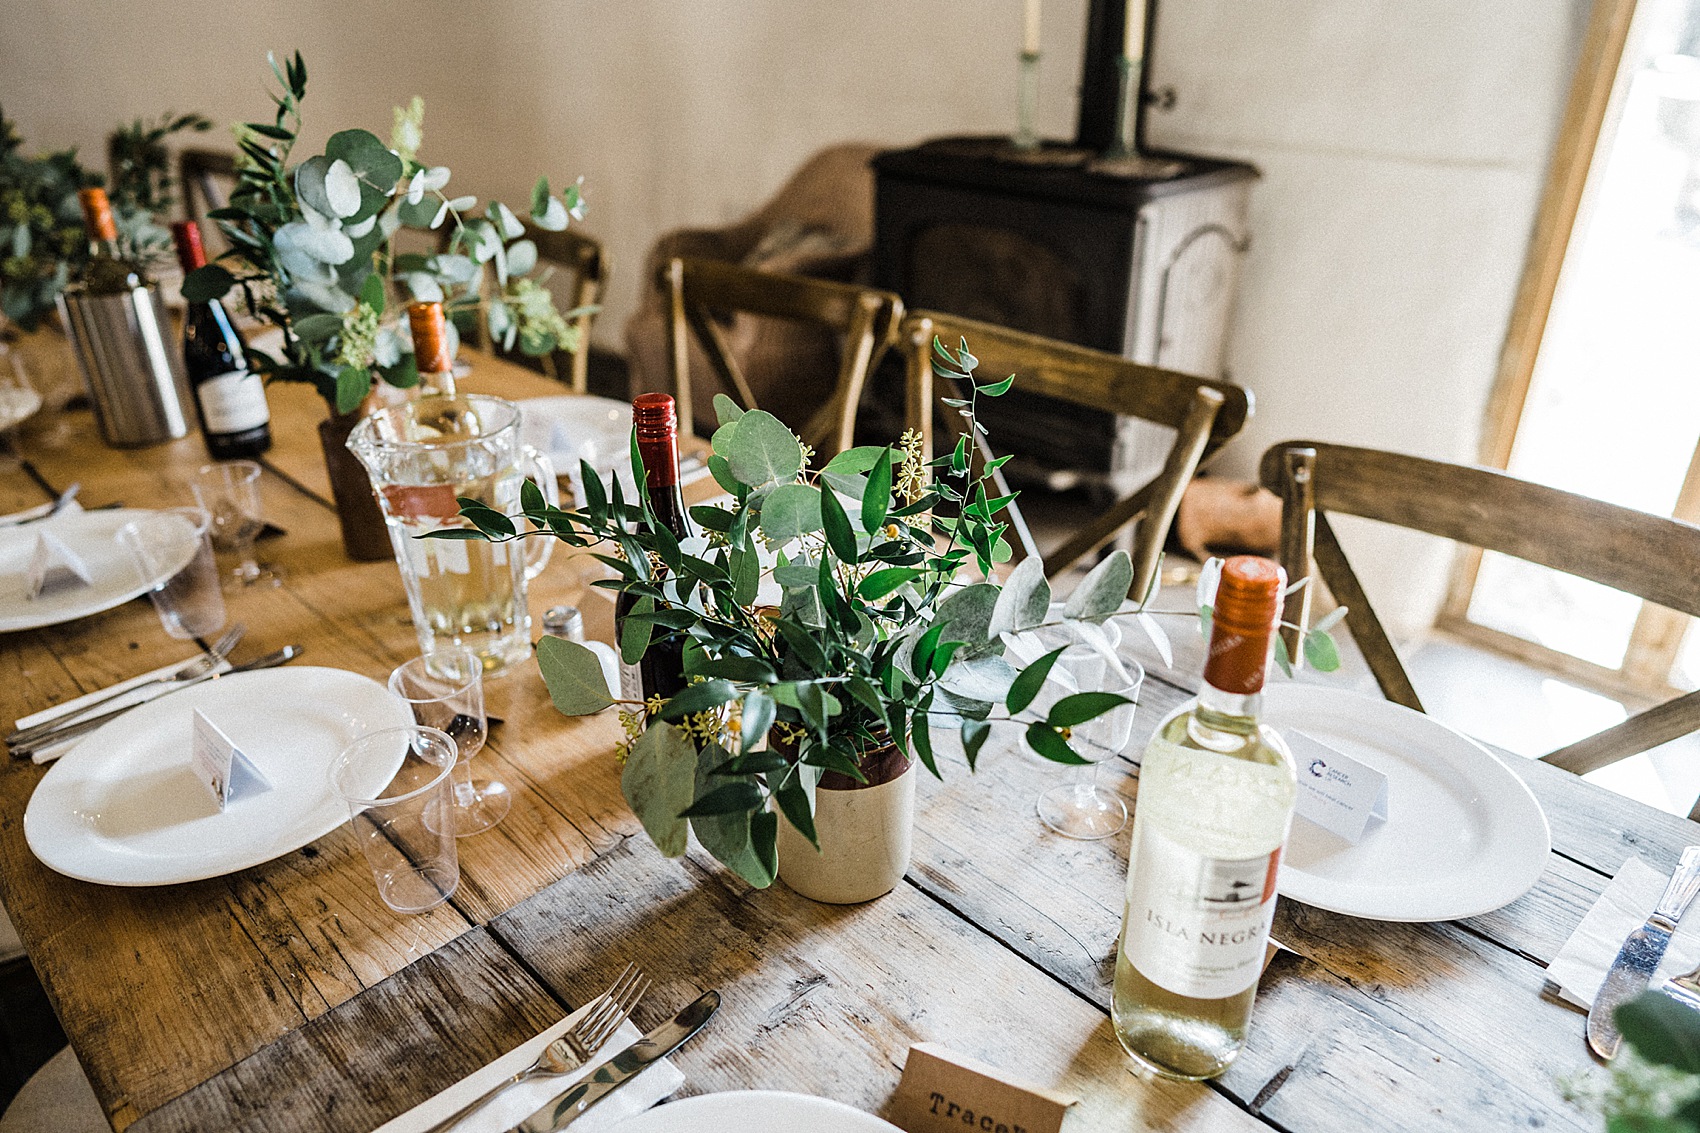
[(519, 1102), (1581, 965), (141, 695)]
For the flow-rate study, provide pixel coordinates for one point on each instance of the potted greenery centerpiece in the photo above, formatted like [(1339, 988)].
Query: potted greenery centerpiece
[(313, 252), (829, 635)]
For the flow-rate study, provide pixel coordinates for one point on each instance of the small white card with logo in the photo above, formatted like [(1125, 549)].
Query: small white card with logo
[(54, 566), (1338, 793), (220, 766)]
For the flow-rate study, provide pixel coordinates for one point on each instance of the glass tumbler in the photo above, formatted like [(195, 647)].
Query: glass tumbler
[(396, 785), (445, 689), (172, 553)]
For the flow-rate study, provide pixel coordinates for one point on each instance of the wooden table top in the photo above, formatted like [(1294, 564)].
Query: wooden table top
[(288, 997)]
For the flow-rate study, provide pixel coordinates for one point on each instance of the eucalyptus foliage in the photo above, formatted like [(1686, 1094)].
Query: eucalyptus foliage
[(1653, 1085), (43, 244), (313, 251), (877, 638)]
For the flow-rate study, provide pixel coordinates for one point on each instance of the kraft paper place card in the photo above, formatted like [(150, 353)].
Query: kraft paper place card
[(944, 1091), (220, 766), (1338, 793), (54, 566)]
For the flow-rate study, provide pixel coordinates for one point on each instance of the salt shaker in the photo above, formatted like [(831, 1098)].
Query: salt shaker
[(564, 621)]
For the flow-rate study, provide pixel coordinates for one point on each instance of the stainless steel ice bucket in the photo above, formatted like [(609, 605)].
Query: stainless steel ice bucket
[(134, 375)]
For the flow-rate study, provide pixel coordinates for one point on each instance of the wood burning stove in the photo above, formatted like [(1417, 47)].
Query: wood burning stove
[(1138, 255)]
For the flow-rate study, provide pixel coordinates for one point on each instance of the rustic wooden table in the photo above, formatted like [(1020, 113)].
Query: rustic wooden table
[(287, 997)]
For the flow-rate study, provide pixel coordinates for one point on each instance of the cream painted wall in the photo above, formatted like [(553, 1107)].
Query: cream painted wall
[(1403, 146)]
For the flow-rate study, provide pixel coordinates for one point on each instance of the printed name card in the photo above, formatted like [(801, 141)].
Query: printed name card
[(1338, 793), (54, 566), (944, 1091), (220, 766)]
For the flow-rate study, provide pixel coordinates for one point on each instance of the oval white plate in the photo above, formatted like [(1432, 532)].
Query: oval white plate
[(1463, 834), (754, 1111), (123, 808), (93, 535)]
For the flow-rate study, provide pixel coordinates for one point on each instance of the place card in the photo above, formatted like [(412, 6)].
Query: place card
[(54, 566), (942, 1090), (1336, 792), (220, 766)]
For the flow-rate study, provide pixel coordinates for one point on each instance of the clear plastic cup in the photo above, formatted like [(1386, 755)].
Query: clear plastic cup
[(445, 689), (396, 785), (172, 552)]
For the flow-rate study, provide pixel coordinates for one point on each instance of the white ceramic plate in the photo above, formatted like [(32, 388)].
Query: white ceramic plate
[(754, 1111), (570, 429), (93, 535), (1463, 834), (123, 808)]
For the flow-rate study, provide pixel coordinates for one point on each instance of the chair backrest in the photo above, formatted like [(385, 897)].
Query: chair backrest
[(1204, 413), (1653, 557), (204, 172), (701, 293), (582, 257)]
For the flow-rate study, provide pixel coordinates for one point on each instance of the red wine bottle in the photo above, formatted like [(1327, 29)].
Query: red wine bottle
[(230, 397), (661, 672)]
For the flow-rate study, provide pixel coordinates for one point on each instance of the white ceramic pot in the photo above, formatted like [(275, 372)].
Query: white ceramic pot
[(865, 833)]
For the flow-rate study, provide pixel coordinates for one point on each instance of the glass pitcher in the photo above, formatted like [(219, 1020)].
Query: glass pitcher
[(421, 455)]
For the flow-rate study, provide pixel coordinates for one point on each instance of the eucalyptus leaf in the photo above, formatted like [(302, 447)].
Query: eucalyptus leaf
[(1321, 653), (342, 189), (789, 512), (1048, 742), (659, 783), (758, 716), (552, 217), (522, 257), (573, 675), (1024, 601), (635, 632), (1661, 1030), (205, 283), (762, 450), (1102, 591), (726, 410), (728, 835)]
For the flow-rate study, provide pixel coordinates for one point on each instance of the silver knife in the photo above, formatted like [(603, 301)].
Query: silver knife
[(1640, 955), (83, 726), (564, 1109)]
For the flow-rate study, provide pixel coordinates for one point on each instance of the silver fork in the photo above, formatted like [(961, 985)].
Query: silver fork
[(576, 1046), (188, 671)]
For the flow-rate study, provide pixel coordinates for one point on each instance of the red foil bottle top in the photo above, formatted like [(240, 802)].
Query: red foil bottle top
[(430, 338), (97, 214), (186, 234), (656, 420), (1243, 622)]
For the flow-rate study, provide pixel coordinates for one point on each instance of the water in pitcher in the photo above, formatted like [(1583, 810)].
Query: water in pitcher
[(421, 457)]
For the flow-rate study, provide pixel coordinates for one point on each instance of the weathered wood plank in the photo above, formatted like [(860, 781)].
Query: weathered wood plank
[(380, 1054), (827, 999)]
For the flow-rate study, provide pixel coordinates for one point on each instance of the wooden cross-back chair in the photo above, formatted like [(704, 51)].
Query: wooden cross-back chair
[(1204, 413), (1653, 557), (700, 293), (205, 173), (581, 256)]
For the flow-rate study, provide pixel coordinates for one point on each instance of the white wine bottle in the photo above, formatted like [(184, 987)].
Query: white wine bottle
[(1216, 791), (107, 271)]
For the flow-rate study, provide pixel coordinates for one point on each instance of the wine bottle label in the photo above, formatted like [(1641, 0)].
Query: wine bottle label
[(233, 402), (1207, 838), (1197, 925)]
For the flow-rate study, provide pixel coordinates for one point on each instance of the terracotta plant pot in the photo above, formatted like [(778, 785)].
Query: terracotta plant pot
[(866, 832), (364, 536)]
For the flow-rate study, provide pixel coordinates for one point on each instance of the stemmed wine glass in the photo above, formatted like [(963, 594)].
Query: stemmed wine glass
[(445, 689), (1082, 808), (230, 493)]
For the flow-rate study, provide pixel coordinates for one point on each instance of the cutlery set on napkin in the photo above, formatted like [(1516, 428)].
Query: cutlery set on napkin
[(1614, 954)]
